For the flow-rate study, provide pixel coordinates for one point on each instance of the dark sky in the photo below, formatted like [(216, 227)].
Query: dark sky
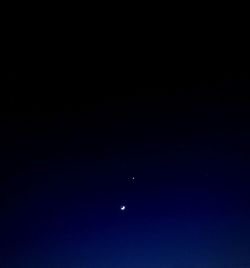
[(67, 161)]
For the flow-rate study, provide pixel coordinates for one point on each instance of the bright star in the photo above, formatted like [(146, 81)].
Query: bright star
[(123, 207)]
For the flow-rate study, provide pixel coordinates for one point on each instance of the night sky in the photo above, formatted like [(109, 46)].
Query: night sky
[(67, 163)]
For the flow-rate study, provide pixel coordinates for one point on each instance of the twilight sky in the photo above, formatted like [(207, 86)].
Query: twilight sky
[(66, 170)]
